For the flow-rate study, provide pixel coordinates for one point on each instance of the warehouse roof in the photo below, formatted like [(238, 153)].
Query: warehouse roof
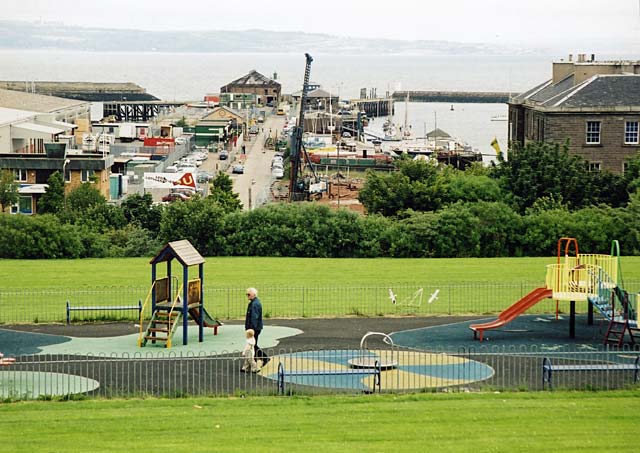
[(36, 102)]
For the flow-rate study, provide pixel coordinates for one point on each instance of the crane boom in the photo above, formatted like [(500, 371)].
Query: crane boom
[(296, 189)]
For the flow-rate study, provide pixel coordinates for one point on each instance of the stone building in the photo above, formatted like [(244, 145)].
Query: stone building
[(594, 105), (266, 90)]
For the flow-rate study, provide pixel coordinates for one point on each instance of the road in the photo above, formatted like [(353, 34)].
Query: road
[(254, 185)]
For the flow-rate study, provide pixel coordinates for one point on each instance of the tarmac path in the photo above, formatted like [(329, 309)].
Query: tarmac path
[(254, 185)]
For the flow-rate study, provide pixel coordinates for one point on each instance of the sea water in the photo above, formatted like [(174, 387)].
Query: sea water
[(189, 76)]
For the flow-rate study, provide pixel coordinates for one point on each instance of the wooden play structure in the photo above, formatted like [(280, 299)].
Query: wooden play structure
[(593, 278), (171, 302)]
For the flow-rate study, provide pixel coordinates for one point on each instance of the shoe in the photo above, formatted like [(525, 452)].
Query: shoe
[(265, 361)]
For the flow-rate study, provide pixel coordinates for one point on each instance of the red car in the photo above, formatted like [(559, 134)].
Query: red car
[(175, 196)]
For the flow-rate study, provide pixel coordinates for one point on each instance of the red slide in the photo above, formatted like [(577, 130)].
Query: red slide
[(513, 311)]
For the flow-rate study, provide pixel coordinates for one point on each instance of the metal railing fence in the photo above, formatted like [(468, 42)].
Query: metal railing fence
[(479, 298), (174, 374)]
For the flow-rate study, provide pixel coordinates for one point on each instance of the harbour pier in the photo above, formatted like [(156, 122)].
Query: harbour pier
[(374, 107), (484, 97)]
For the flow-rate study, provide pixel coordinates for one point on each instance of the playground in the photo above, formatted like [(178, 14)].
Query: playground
[(315, 355)]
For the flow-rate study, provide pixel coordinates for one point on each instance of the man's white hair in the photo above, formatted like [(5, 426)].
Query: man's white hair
[(253, 291)]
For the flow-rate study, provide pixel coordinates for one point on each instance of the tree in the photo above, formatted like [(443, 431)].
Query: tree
[(544, 169), (632, 174), (416, 186), (139, 210), (52, 201), (200, 221), (222, 193), (424, 186), (8, 190), (84, 197)]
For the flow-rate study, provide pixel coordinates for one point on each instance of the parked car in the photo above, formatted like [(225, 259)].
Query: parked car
[(175, 196), (253, 130), (186, 168), (188, 191), (203, 176), (224, 154), (238, 169), (277, 172)]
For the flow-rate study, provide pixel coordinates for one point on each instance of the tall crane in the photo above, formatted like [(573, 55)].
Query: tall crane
[(298, 188)]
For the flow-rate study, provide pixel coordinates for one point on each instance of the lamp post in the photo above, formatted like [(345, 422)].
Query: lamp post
[(64, 166), (64, 181)]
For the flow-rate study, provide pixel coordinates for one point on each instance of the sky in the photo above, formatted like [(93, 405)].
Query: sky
[(581, 25)]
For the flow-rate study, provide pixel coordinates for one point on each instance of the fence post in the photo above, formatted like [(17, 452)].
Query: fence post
[(303, 301)]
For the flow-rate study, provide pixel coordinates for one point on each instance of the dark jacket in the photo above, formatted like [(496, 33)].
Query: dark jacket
[(253, 319)]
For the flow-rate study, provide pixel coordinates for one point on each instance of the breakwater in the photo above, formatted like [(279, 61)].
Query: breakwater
[(486, 97), (82, 91)]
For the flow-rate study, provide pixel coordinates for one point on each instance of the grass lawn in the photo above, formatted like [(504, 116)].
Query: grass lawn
[(289, 287), (510, 422), (231, 272)]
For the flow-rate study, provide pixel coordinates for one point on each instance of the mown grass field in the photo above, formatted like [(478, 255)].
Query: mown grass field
[(37, 291), (229, 272), (509, 422)]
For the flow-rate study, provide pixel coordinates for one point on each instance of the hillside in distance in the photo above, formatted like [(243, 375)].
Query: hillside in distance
[(28, 35)]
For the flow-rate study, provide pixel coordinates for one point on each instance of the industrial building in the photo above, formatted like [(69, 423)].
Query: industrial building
[(39, 136), (267, 91)]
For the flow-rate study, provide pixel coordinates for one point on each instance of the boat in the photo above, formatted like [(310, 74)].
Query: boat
[(389, 130), (436, 144), (499, 118)]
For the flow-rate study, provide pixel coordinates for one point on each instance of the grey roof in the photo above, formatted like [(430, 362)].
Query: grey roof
[(318, 93), (183, 251), (611, 90), (254, 78), (36, 102), (527, 94), (553, 90), (438, 133)]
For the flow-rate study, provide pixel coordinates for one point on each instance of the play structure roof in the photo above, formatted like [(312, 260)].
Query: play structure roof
[(183, 251)]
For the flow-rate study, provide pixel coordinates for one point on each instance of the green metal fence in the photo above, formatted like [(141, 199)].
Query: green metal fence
[(479, 298)]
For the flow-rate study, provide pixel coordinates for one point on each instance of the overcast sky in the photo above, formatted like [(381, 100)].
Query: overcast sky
[(573, 25)]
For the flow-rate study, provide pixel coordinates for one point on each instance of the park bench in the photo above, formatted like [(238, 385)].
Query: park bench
[(376, 371), (548, 369), (137, 308)]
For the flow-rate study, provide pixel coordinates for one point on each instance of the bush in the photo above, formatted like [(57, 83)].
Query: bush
[(34, 237)]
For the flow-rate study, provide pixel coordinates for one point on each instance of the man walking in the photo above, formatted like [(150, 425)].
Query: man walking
[(253, 320)]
